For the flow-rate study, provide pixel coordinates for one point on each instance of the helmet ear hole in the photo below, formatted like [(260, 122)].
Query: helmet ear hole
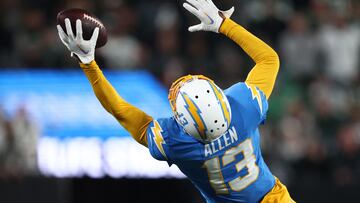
[(196, 97), (215, 121), (223, 125), (211, 130)]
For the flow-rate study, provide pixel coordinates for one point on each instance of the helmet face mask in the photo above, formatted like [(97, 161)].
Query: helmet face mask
[(200, 107)]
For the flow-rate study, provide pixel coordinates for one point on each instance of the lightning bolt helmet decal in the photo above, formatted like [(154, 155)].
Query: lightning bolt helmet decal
[(200, 107)]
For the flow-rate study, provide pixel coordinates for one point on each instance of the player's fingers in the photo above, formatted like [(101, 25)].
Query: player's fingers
[(211, 3), (229, 12), (79, 31), (194, 3), (193, 10), (95, 35), (69, 30), (196, 28), (62, 35), (60, 31), (190, 8)]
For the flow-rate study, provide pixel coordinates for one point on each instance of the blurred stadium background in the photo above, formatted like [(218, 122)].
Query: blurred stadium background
[(58, 145)]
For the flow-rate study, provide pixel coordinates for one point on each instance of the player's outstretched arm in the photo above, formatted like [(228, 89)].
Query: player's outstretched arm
[(264, 73), (131, 118)]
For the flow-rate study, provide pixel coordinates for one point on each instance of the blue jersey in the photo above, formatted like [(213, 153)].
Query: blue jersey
[(230, 168)]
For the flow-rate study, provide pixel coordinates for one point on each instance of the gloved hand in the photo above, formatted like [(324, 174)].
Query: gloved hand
[(210, 16), (83, 49)]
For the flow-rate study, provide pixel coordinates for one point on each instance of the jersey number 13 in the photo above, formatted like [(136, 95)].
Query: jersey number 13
[(214, 169)]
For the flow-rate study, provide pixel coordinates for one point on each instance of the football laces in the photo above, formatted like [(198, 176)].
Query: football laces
[(87, 17)]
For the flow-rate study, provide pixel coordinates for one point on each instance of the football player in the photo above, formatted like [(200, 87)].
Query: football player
[(213, 136)]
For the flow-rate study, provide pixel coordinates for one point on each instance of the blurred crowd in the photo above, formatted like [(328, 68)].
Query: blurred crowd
[(313, 126), (18, 141)]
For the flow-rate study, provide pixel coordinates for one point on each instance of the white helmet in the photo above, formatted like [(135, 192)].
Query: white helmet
[(200, 107)]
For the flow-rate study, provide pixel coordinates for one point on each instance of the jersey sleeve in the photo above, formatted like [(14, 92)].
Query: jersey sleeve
[(248, 101), (130, 117), (264, 73), (158, 139)]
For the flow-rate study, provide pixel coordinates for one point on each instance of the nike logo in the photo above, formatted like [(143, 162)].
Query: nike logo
[(211, 20), (82, 50)]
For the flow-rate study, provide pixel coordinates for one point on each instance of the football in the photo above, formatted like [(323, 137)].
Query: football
[(89, 23)]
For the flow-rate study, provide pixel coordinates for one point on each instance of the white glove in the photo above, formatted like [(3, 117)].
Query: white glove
[(208, 14), (83, 49)]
